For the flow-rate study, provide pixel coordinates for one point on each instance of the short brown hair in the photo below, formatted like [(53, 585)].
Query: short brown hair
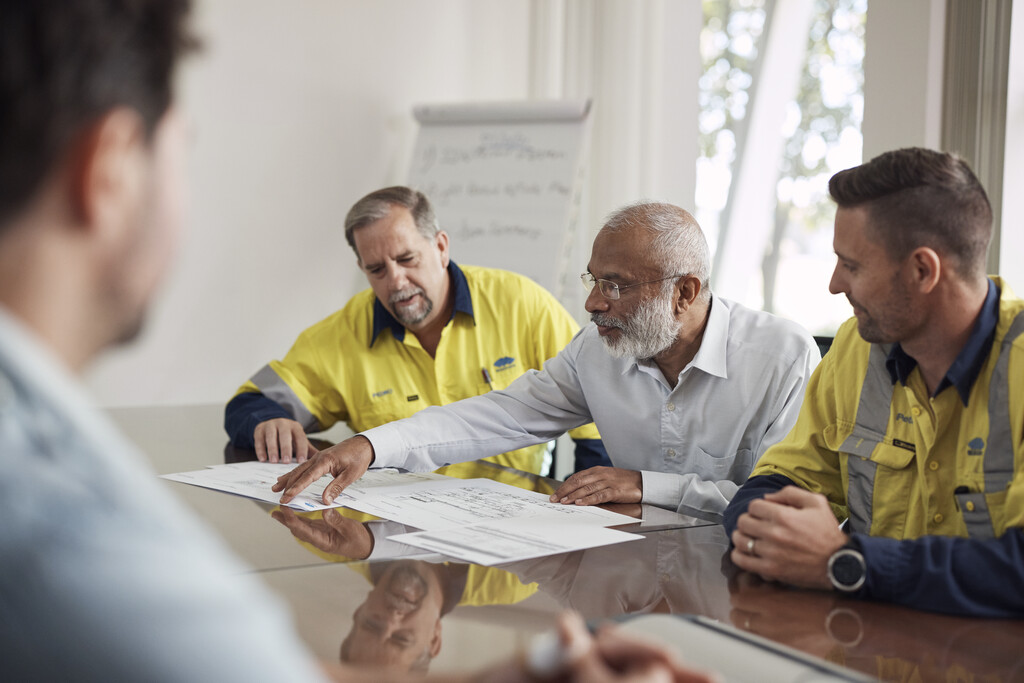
[(919, 197)]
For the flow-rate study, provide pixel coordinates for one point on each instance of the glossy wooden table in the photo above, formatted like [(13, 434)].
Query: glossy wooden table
[(680, 567)]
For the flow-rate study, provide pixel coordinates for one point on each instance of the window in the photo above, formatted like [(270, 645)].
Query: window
[(794, 66)]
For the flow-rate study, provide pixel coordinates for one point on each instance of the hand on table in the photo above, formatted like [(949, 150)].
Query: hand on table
[(600, 485), (332, 533), (788, 536), (279, 439), (346, 461)]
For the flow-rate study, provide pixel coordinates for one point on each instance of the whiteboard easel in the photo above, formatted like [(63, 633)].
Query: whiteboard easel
[(505, 181)]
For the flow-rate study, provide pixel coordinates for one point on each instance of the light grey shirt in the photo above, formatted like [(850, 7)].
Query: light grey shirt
[(103, 575), (694, 443)]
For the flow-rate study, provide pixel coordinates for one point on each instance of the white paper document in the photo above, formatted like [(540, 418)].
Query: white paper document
[(475, 520), (510, 540), (449, 502), (254, 479)]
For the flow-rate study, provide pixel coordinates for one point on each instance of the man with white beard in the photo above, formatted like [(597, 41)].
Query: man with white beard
[(687, 390)]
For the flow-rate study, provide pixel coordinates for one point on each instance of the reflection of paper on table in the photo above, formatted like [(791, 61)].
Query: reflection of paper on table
[(448, 502), (254, 479), (509, 540)]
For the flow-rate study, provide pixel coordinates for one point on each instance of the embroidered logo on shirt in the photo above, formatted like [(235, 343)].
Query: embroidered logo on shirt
[(976, 446), (504, 363), (904, 444), (414, 397), (378, 394), (905, 418)]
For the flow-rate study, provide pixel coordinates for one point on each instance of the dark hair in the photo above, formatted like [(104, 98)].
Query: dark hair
[(66, 63), (918, 197), (377, 205)]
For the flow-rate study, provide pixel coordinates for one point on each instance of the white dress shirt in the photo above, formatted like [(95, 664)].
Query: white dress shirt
[(694, 443)]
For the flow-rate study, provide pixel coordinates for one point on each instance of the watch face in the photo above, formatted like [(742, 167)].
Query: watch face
[(847, 569)]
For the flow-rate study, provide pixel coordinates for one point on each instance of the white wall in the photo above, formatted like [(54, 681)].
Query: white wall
[(1011, 242), (302, 107), (299, 108), (903, 62)]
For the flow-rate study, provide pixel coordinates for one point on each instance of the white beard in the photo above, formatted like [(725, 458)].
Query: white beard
[(650, 330)]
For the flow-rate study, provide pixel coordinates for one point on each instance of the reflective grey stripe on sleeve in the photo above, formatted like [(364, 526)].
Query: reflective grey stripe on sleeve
[(869, 428), (999, 450), (273, 387)]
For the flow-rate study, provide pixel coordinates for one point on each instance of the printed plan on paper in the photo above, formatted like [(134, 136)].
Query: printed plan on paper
[(476, 520)]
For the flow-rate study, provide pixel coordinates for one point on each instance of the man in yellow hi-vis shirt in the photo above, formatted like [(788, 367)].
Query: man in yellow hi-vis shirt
[(912, 429), (428, 332)]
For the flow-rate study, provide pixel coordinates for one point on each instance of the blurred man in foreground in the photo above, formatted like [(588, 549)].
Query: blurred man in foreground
[(103, 576)]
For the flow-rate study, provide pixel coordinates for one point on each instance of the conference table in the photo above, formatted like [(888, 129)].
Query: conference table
[(675, 584)]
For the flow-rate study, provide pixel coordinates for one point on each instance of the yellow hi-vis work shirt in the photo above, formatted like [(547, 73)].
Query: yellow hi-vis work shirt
[(913, 465), (338, 371)]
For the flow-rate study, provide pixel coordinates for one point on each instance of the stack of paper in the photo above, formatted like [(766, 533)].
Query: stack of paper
[(476, 520)]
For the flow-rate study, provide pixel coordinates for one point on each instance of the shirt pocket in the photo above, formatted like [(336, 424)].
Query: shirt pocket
[(380, 412), (880, 484), (734, 466)]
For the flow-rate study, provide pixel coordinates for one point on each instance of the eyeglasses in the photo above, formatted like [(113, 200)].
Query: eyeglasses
[(610, 290)]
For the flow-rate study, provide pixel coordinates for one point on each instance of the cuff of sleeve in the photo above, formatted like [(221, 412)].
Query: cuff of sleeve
[(884, 560), (383, 547), (662, 489), (387, 444)]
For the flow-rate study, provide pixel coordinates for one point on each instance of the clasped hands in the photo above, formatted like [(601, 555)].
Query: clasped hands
[(788, 536)]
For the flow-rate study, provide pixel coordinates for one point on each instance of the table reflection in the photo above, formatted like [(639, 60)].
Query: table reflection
[(398, 625), (886, 641), (682, 567), (678, 572)]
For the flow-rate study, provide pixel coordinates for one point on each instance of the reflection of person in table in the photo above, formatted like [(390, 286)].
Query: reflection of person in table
[(398, 626)]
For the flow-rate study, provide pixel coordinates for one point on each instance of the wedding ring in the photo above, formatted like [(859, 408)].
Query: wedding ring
[(750, 546)]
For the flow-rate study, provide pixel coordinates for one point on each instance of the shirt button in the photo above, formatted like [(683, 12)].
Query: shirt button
[(915, 411), (671, 453), (671, 407), (970, 506), (938, 518), (933, 465)]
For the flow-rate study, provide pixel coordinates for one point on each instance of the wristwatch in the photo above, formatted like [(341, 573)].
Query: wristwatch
[(847, 569)]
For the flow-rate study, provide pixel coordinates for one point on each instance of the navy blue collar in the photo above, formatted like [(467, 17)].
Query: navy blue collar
[(965, 369), (383, 320)]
